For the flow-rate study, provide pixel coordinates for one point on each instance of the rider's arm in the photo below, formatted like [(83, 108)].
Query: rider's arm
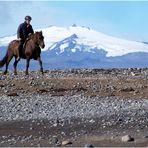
[(19, 32), (31, 29)]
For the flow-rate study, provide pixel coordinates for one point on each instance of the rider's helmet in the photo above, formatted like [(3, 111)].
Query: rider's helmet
[(28, 18)]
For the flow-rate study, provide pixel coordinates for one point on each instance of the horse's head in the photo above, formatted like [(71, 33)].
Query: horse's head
[(40, 39)]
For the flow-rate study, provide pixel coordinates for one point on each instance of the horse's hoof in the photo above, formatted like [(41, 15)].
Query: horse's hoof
[(15, 73), (4, 73), (27, 73)]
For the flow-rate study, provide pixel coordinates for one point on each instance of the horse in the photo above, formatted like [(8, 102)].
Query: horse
[(31, 50)]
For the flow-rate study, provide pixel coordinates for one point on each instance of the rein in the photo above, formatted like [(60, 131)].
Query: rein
[(28, 39)]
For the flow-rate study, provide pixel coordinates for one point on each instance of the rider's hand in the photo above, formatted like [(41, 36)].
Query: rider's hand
[(19, 39), (29, 34)]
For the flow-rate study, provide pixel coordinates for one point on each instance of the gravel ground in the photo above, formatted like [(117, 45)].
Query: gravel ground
[(86, 106), (66, 107)]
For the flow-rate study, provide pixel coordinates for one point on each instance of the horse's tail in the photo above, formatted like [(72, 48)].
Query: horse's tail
[(4, 60)]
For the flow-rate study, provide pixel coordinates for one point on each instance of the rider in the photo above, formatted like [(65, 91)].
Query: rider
[(23, 32)]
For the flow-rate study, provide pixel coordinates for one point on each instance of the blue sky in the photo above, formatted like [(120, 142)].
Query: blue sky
[(125, 19)]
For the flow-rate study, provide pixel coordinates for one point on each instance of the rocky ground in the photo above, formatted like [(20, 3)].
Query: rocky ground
[(75, 107)]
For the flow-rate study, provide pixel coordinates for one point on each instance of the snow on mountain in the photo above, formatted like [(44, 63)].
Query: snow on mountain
[(4, 41), (84, 39), (92, 39)]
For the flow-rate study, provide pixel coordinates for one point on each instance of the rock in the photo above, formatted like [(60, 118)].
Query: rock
[(66, 142), (146, 136), (54, 140), (12, 84), (30, 83), (133, 74), (88, 145), (39, 145), (5, 91), (127, 89), (42, 90), (91, 121), (43, 83), (13, 94), (120, 120), (127, 138), (2, 85), (113, 137), (31, 128)]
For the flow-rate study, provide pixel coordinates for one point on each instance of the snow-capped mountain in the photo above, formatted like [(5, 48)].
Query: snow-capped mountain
[(77, 46)]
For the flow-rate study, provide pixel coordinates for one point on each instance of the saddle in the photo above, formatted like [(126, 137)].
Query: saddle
[(23, 45)]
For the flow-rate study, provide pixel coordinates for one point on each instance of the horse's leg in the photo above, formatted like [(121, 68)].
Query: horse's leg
[(27, 65), (15, 64), (7, 63), (41, 66)]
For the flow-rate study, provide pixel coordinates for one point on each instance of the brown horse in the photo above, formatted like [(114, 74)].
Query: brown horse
[(32, 50)]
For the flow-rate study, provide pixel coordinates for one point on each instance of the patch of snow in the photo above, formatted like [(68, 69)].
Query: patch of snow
[(63, 46), (73, 50)]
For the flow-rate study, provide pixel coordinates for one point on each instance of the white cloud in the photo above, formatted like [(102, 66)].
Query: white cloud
[(13, 13)]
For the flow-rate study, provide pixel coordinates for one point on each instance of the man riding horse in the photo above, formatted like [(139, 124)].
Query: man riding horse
[(31, 49), (23, 32)]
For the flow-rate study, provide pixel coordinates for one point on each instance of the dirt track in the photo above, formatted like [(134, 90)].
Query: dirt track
[(86, 106)]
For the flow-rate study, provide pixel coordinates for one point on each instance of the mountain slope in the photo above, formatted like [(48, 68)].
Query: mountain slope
[(93, 39), (83, 47)]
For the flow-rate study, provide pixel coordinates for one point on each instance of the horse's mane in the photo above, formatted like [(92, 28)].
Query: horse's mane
[(30, 36)]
